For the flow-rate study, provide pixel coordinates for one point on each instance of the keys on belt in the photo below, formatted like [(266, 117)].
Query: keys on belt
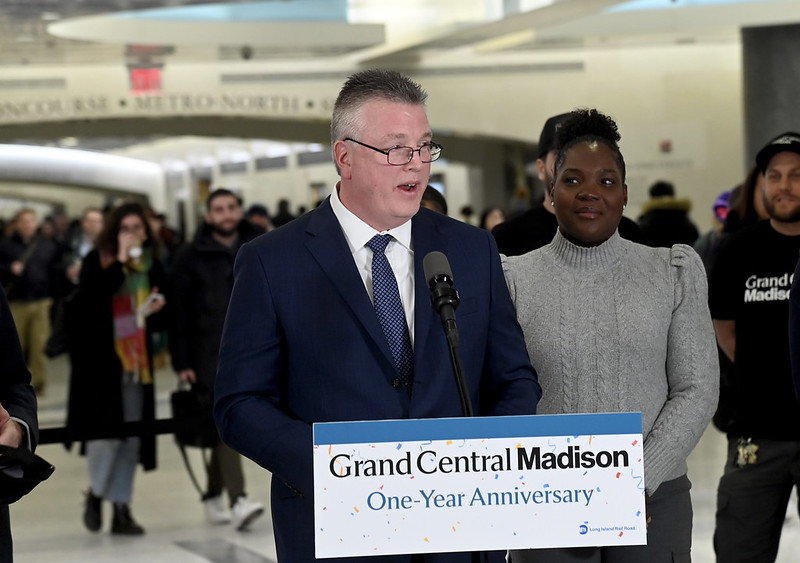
[(746, 452)]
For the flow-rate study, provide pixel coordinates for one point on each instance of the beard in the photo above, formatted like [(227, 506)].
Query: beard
[(222, 231), (791, 215)]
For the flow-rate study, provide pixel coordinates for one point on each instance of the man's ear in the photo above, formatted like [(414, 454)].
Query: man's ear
[(341, 156), (207, 218), (540, 169)]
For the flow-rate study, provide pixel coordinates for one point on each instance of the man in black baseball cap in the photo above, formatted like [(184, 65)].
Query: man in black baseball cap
[(786, 142), (749, 298), (547, 138)]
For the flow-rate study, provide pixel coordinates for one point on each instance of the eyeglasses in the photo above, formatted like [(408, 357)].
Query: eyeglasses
[(400, 156), (132, 228)]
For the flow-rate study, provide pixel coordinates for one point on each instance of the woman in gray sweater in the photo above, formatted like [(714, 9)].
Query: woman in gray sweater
[(614, 326)]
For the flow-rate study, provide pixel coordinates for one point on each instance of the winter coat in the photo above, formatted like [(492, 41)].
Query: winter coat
[(201, 281), (665, 221), (95, 391), (42, 267)]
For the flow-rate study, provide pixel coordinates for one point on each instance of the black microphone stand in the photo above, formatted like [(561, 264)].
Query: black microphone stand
[(445, 300)]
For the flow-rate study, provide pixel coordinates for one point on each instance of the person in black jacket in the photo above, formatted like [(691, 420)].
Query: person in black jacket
[(749, 298), (30, 266), (283, 215), (18, 424), (201, 282), (665, 218)]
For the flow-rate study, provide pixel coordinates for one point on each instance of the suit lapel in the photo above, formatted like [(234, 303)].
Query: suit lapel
[(327, 244), (426, 238)]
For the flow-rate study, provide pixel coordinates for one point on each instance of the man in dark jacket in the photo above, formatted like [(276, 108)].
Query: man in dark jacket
[(201, 283), (18, 423), (29, 266), (665, 218)]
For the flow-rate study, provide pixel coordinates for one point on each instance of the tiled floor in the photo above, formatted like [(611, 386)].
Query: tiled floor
[(47, 524)]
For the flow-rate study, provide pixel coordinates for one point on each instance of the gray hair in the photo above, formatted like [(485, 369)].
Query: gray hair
[(366, 86)]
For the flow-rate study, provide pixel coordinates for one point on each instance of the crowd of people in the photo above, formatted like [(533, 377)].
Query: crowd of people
[(102, 282), (569, 307)]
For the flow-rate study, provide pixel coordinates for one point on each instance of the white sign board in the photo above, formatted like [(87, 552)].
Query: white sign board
[(478, 484)]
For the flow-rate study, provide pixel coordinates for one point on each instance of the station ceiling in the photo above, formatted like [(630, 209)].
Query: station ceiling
[(424, 36), (376, 32)]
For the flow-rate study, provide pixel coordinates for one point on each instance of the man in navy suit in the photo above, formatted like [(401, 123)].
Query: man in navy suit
[(18, 424), (302, 342)]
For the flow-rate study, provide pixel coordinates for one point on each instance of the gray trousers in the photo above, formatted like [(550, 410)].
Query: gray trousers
[(669, 535)]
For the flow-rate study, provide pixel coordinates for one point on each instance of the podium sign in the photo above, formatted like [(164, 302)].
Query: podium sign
[(478, 484)]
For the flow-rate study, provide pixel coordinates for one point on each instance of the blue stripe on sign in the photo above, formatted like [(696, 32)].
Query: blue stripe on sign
[(416, 430)]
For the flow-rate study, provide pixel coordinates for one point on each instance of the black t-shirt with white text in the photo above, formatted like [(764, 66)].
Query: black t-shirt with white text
[(749, 284)]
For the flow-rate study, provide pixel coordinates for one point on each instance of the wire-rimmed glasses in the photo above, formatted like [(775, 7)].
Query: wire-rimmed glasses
[(400, 156)]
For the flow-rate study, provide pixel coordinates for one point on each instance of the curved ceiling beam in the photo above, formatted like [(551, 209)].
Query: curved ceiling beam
[(289, 26), (50, 165), (283, 35)]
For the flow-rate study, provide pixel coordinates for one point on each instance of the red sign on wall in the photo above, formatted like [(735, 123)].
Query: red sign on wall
[(145, 80)]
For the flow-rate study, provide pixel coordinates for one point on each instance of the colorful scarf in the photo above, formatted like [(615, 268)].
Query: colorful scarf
[(130, 334)]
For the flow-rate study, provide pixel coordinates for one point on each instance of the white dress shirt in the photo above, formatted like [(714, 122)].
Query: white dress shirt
[(398, 252)]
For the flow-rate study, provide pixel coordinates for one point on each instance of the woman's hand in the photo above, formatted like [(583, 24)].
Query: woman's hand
[(154, 303), (187, 376), (126, 241)]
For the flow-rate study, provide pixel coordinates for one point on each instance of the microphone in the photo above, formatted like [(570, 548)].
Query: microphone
[(444, 299)]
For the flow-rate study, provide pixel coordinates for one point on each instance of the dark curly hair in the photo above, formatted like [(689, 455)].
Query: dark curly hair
[(108, 240), (587, 125)]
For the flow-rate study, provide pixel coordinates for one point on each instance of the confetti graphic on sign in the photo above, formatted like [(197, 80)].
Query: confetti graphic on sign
[(427, 492)]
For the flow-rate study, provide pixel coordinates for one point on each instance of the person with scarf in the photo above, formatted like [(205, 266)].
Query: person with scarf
[(113, 314)]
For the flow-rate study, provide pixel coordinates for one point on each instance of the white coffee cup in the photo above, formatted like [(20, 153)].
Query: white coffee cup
[(135, 253)]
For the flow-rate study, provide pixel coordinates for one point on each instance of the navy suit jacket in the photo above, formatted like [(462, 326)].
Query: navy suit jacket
[(17, 397), (302, 344)]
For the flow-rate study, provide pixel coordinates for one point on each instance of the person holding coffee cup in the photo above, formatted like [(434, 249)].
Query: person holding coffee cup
[(119, 306)]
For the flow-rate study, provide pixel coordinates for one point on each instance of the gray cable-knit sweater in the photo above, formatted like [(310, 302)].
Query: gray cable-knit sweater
[(622, 327)]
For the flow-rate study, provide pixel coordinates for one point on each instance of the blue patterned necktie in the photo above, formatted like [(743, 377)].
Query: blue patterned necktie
[(389, 309)]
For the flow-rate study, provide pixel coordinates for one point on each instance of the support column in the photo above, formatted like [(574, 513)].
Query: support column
[(771, 75)]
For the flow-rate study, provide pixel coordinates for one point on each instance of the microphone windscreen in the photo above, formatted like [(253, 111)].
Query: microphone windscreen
[(435, 264)]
